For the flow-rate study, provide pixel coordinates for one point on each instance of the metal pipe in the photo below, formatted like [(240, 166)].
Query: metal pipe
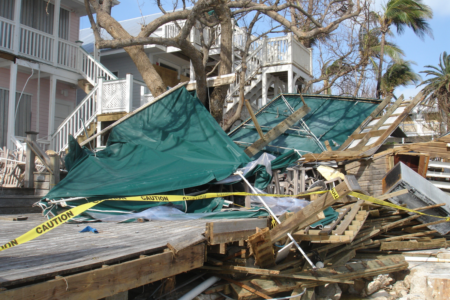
[(278, 221), (200, 288)]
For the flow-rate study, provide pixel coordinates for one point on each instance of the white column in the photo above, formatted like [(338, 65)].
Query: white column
[(56, 31), (290, 82), (51, 106), (264, 88), (290, 57), (129, 92), (17, 7), (11, 104)]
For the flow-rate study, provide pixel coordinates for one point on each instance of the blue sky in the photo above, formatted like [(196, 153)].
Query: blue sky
[(423, 52)]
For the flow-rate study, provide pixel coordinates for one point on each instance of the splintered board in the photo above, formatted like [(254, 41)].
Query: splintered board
[(343, 230)]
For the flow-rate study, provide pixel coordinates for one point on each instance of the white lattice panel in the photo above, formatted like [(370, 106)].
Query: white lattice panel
[(114, 96)]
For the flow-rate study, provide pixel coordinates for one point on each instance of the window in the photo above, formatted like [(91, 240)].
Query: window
[(64, 24), (7, 9), (23, 117), (116, 73), (38, 15)]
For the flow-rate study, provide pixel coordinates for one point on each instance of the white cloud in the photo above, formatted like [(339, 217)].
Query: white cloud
[(439, 7)]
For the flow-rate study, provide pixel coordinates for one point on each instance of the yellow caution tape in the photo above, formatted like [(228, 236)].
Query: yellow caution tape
[(71, 213), (175, 198), (49, 225), (385, 203)]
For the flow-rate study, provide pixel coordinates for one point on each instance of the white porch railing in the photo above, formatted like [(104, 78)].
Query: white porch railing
[(115, 95), (6, 33), (36, 44), (91, 69), (74, 124), (105, 97), (68, 54)]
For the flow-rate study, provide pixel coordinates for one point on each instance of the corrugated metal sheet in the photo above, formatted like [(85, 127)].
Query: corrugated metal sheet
[(331, 118)]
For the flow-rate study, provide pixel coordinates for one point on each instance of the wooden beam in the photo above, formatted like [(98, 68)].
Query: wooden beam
[(303, 217), (255, 121), (213, 81), (114, 279), (181, 243), (327, 145), (277, 130), (377, 110)]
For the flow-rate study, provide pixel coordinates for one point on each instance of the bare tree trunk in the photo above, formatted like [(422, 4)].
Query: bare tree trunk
[(380, 67), (145, 67), (226, 39)]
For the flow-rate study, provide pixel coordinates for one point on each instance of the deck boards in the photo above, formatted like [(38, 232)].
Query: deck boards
[(64, 250)]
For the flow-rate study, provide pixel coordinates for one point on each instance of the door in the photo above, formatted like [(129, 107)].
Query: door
[(62, 110)]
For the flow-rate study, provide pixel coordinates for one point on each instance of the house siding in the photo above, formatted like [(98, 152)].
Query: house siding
[(31, 88), (74, 27)]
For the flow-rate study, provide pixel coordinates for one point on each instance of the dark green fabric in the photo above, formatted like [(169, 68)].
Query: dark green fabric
[(263, 178), (330, 216), (331, 118), (171, 145)]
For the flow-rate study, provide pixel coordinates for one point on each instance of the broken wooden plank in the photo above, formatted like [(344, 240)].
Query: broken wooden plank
[(181, 243), (262, 247), (232, 231), (252, 115), (246, 287), (275, 132), (213, 81), (406, 246), (348, 185)]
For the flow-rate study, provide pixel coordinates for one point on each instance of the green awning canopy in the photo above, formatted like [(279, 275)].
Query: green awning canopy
[(171, 145), (331, 118)]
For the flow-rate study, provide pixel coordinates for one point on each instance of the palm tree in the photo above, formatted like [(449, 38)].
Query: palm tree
[(402, 14), (369, 50), (398, 74), (437, 88)]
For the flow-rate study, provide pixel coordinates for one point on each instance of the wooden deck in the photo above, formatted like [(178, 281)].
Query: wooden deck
[(65, 250)]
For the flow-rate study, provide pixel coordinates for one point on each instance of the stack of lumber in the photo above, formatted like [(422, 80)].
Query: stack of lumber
[(249, 266)]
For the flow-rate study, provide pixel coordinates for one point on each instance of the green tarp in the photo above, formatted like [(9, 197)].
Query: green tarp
[(331, 118), (171, 145)]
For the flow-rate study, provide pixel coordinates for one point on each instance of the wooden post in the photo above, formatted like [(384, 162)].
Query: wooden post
[(302, 180), (54, 178), (29, 166), (252, 115)]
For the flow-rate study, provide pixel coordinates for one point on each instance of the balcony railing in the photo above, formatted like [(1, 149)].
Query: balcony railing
[(36, 44), (6, 34)]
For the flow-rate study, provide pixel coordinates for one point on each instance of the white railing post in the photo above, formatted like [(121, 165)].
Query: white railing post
[(264, 49), (16, 41), (56, 32), (79, 57), (142, 95), (100, 94), (289, 57), (129, 92)]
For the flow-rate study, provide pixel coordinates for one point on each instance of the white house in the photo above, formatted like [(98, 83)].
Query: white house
[(42, 62)]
